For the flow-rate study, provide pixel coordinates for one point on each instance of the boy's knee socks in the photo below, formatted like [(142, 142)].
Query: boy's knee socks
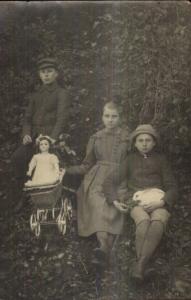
[(141, 232), (152, 239)]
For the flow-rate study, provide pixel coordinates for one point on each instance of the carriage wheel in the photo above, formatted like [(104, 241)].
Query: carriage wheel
[(62, 202), (37, 230), (33, 222), (62, 223), (68, 208)]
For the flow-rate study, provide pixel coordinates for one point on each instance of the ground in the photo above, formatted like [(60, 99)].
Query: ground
[(63, 270)]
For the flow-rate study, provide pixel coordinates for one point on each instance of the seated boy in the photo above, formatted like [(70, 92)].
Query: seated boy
[(152, 184)]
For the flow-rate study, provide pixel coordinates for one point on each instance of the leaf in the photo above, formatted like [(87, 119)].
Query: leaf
[(96, 23), (60, 256)]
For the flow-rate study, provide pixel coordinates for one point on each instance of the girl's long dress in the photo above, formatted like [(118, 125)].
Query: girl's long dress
[(46, 169), (106, 151)]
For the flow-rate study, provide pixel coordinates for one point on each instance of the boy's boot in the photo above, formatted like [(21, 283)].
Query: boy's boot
[(152, 240)]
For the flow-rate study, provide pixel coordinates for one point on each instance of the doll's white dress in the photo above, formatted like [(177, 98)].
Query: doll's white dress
[(46, 167)]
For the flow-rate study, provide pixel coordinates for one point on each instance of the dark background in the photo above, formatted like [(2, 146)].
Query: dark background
[(136, 53)]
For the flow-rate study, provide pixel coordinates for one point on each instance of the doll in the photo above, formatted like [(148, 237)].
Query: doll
[(44, 166)]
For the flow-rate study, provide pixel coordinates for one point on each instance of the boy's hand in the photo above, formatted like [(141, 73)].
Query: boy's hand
[(122, 207), (29, 174), (153, 205), (27, 139), (53, 141)]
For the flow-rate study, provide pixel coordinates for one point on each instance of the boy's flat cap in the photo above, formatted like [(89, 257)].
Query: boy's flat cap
[(47, 62), (144, 129)]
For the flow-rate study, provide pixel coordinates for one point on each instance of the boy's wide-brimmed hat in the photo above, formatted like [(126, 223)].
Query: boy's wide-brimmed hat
[(47, 62), (144, 129)]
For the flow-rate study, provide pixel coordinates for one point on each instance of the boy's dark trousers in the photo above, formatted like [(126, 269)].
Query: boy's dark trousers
[(18, 169), (20, 160)]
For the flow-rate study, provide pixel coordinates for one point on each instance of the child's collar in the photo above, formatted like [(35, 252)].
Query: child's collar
[(145, 155), (49, 87), (116, 130)]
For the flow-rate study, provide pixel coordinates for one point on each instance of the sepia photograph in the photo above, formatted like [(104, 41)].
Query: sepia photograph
[(95, 156)]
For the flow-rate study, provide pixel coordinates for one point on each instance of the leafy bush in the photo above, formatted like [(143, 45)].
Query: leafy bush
[(134, 53)]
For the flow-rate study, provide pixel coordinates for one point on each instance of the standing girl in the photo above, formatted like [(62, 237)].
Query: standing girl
[(96, 213)]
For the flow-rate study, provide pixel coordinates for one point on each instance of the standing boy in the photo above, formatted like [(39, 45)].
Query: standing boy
[(46, 114)]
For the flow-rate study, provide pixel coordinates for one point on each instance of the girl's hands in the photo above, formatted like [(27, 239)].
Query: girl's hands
[(122, 207)]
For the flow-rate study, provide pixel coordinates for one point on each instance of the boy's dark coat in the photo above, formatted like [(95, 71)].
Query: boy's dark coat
[(46, 112), (151, 172)]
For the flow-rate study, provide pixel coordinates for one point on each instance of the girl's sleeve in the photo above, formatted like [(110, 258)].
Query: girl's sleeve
[(32, 163), (124, 194), (169, 183), (87, 163), (122, 191)]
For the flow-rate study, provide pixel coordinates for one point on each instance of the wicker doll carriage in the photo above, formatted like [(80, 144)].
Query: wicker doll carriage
[(50, 206)]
